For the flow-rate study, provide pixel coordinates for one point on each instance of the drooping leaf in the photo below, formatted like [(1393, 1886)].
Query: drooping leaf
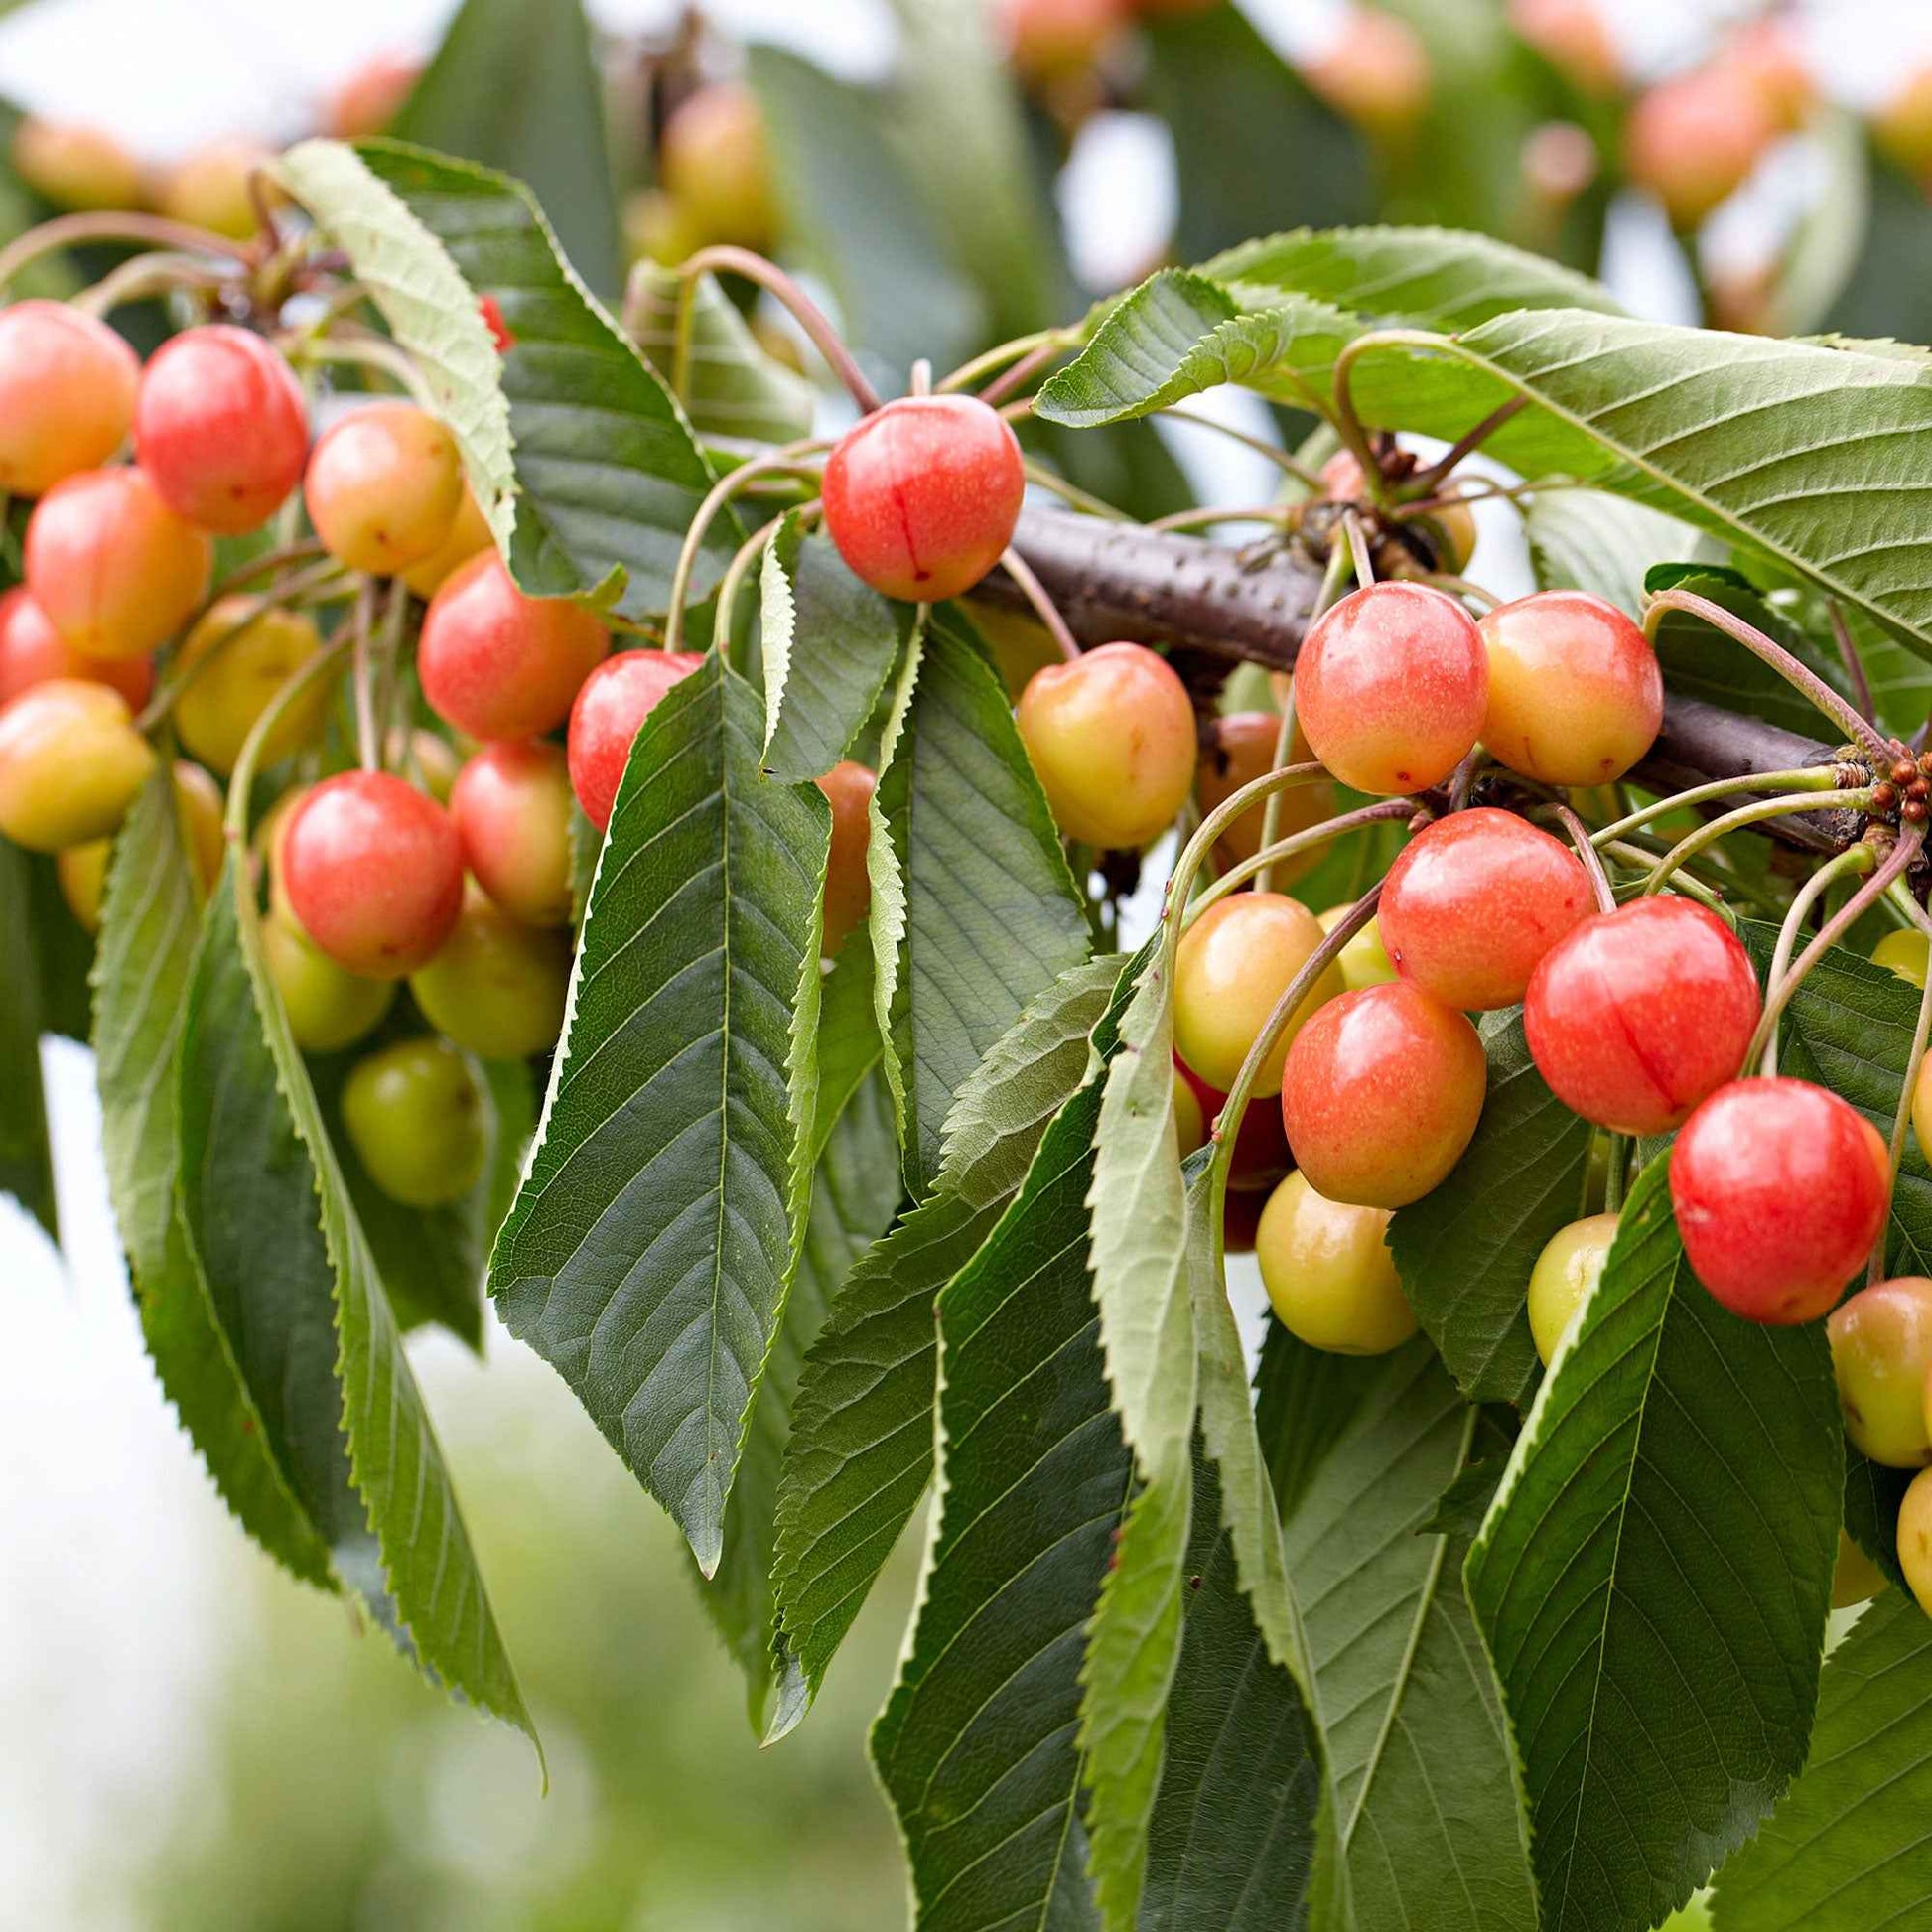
[(650, 1252), (1847, 1851), (1653, 1580), (26, 1161), (1304, 1399), (1466, 1250), (1584, 541), (148, 922)]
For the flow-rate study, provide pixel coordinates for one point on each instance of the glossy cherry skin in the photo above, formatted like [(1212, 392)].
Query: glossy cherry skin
[(498, 664), (1381, 1093), (1364, 960), (1570, 1266), (1780, 1190), (1639, 1013), (1329, 1271), (327, 1006), (70, 763), (82, 870), (415, 1116), (1240, 749), (715, 163), (1882, 1354), (1236, 961), (32, 651), (469, 534), (1112, 738), (495, 986), (66, 394), (1391, 685), (1916, 1538), (609, 711), (374, 871), (221, 426), (1575, 693), (923, 495), (383, 486), (1260, 1155), (1473, 901), (1374, 71), (241, 671), (1694, 139), (1904, 951), (847, 790), (510, 805), (116, 570), (74, 166)]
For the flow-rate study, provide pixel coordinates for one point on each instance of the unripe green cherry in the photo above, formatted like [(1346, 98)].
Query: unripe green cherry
[(383, 487), (70, 763), (1364, 960), (1905, 952), (1882, 1354), (240, 671), (1569, 1267), (66, 394), (1235, 962), (1329, 1271), (497, 986), (715, 163), (1240, 748), (82, 870), (1112, 738), (511, 808), (415, 1115), (1856, 1579), (327, 1006), (847, 790), (1916, 1538)]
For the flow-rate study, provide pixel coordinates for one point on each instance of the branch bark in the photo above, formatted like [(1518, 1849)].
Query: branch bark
[(1117, 580)]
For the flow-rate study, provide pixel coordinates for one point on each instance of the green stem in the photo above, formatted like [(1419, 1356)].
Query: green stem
[(1681, 880), (1044, 607), (1587, 852), (1054, 484), (367, 744), (242, 781), (1358, 549), (146, 275), (1809, 778), (1902, 1117), (1693, 843), (1276, 850), (364, 351), (1855, 859), (1617, 1172), (1002, 354), (152, 231), (1289, 465)]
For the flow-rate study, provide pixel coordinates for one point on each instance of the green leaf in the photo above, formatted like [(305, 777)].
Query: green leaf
[(1847, 1851), (731, 386), (1466, 1250), (974, 910), (66, 952), (149, 917), (1304, 1399), (1422, 1759), (848, 1036), (269, 1220), (829, 645), (650, 1252), (1584, 541), (26, 1161), (515, 85), (1653, 1580), (1872, 1494)]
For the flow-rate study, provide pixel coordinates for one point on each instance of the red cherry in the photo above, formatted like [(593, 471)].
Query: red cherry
[(221, 426), (923, 495), (1638, 1014), (1780, 1190), (498, 664), (1473, 901), (1260, 1157), (31, 653), (1390, 686), (66, 394), (616, 700), (374, 871), (847, 790), (1380, 1095), (511, 808)]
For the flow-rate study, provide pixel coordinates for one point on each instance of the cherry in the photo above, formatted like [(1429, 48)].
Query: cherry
[(1881, 1353), (328, 1007), (383, 486), (511, 808), (116, 570), (242, 672), (1451, 525), (1916, 1538), (923, 495), (210, 187), (1373, 72), (1364, 960), (222, 427), (1902, 126), (76, 166), (1639, 1013), (609, 711), (1112, 738), (495, 986), (658, 227), (1473, 901), (70, 763), (374, 871), (1856, 1579), (1904, 950), (714, 161), (848, 789), (1575, 693), (370, 97), (1570, 1266), (66, 394), (1260, 1155), (82, 870), (1190, 1113), (415, 1116), (469, 534), (31, 653), (1381, 1092), (1241, 1214), (1235, 962), (1694, 139), (1922, 1108), (1576, 40), (1780, 1190), (1391, 685), (498, 664), (1049, 41), (1240, 750), (1330, 1278)]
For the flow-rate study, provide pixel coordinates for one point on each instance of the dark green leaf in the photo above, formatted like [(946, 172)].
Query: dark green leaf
[(66, 952), (848, 1036), (1304, 1399), (650, 1252), (26, 1161), (1872, 1494)]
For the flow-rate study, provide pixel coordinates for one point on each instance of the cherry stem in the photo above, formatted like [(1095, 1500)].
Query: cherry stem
[(1855, 859), (1017, 351), (1681, 880), (1854, 664), (242, 781), (1902, 1118), (153, 230), (1349, 425), (1442, 579), (364, 349), (1273, 514), (1807, 682), (1290, 466), (1275, 850), (1712, 830), (148, 275), (1466, 444), (1045, 609), (1358, 549), (1043, 356), (920, 381), (726, 259), (1617, 1172), (1047, 479), (1810, 778), (1587, 851), (365, 736)]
